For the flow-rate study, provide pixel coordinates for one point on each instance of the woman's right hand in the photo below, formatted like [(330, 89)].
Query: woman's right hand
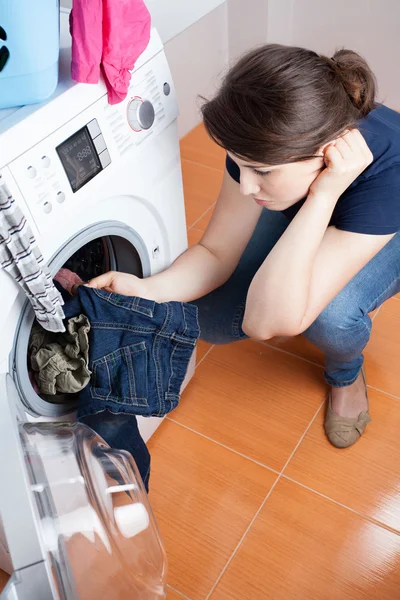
[(120, 283)]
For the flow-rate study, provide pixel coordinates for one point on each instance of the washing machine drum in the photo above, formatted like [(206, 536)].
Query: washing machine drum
[(76, 515)]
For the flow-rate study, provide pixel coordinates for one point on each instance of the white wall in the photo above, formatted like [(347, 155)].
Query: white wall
[(196, 57), (370, 27), (200, 55), (279, 21), (247, 25), (171, 17)]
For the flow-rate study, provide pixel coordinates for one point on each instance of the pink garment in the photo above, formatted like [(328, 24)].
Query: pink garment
[(110, 33), (67, 279)]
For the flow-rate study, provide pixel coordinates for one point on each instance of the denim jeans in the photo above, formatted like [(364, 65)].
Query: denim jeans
[(139, 352), (341, 331), (121, 431)]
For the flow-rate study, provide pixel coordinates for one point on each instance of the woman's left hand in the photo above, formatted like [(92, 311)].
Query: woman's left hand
[(345, 159)]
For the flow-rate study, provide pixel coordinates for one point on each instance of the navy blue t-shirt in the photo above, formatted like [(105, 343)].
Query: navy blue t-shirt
[(371, 204)]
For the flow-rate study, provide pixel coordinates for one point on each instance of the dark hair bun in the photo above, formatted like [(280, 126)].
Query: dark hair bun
[(357, 79)]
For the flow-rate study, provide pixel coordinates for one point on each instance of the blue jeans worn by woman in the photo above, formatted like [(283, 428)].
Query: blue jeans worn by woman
[(341, 331)]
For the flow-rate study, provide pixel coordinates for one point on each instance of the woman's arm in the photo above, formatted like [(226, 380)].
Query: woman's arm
[(311, 263), (204, 267)]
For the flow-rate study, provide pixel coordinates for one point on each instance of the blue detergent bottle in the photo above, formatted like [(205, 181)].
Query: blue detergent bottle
[(29, 49)]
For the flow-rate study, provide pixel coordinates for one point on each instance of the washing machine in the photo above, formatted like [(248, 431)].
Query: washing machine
[(101, 188)]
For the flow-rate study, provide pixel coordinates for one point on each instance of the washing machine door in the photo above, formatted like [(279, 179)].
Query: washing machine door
[(75, 513)]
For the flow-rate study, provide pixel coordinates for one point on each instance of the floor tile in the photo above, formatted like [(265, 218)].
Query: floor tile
[(383, 351), (364, 477), (374, 313), (202, 349), (172, 595), (253, 399), (299, 346), (204, 498), (303, 547), (196, 146), (4, 577), (201, 186), (194, 236)]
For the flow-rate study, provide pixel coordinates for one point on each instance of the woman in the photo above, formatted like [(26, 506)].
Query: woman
[(304, 237)]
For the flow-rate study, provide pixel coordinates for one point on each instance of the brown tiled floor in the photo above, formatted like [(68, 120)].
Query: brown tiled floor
[(304, 546), (201, 189), (383, 353), (3, 579), (252, 501), (253, 399)]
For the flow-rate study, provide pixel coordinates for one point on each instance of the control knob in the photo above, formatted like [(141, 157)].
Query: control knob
[(141, 114)]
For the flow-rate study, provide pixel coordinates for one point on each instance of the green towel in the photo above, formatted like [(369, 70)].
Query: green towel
[(60, 360)]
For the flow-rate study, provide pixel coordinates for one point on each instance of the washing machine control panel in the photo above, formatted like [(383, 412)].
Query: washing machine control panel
[(67, 169), (47, 180)]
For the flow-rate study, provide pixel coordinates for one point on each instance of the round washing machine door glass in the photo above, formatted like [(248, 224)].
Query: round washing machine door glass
[(93, 251), (76, 514), (95, 519)]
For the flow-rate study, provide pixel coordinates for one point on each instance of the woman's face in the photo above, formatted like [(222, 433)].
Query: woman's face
[(279, 186)]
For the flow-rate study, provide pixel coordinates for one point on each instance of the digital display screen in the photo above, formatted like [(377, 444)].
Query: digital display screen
[(79, 158)]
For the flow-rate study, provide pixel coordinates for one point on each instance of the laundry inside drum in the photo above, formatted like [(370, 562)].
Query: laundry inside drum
[(58, 363)]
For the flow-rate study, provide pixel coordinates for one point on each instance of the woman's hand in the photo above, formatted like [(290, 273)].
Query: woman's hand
[(120, 283), (345, 159)]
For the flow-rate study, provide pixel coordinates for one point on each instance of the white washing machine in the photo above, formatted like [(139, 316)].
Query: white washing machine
[(125, 199)]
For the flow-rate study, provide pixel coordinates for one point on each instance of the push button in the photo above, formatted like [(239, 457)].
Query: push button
[(94, 128), (31, 171), (105, 158), (100, 144)]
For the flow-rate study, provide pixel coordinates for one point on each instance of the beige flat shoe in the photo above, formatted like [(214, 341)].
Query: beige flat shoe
[(343, 432)]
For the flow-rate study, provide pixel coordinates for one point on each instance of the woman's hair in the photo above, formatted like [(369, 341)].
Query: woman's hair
[(280, 104)]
